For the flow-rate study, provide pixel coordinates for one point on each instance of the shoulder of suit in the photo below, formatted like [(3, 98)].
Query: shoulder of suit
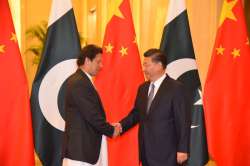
[(143, 87), (78, 78), (174, 83), (169, 79), (144, 84)]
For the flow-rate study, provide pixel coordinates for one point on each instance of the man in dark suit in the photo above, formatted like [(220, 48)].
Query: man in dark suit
[(163, 113), (85, 116)]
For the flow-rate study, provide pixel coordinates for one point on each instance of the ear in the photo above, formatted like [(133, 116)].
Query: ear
[(160, 66), (87, 60)]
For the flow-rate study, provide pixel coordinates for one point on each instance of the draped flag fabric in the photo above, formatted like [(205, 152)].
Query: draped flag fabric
[(177, 45), (227, 87), (58, 62), (119, 79), (16, 140)]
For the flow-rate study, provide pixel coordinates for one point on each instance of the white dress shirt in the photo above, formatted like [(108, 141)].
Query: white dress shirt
[(157, 84)]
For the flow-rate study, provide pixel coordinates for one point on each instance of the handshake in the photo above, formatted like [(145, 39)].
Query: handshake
[(117, 129)]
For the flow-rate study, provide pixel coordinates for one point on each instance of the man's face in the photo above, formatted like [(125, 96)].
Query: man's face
[(95, 65), (151, 69)]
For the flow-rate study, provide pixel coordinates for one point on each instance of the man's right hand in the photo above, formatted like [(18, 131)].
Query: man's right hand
[(117, 129)]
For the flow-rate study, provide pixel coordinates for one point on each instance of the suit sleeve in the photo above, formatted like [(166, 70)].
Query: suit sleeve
[(132, 118), (90, 110), (182, 113)]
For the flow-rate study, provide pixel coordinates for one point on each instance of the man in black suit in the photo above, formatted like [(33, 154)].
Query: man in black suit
[(85, 116), (163, 113)]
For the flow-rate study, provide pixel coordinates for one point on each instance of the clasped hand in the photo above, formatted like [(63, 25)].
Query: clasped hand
[(117, 129)]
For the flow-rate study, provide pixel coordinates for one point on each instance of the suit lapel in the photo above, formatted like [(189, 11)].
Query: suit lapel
[(162, 89), (145, 98), (92, 86)]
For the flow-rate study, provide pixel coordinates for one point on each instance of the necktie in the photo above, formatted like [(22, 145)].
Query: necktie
[(150, 97)]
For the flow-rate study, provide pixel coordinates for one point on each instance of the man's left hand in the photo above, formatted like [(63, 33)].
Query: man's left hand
[(181, 157)]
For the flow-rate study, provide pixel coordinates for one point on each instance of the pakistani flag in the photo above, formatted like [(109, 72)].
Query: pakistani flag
[(58, 62), (177, 44)]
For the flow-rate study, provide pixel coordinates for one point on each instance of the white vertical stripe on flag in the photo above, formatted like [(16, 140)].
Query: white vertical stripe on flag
[(58, 9), (175, 8)]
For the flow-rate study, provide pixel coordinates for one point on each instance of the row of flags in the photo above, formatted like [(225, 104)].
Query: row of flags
[(226, 96)]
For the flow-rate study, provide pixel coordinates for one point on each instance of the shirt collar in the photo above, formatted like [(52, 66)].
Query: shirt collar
[(158, 82), (88, 75)]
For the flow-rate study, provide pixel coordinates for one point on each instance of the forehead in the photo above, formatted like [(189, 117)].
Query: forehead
[(98, 56), (147, 60)]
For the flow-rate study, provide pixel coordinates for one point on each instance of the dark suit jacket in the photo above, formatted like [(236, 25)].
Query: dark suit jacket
[(165, 130), (85, 120)]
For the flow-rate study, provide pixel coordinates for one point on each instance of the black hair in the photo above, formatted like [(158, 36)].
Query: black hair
[(90, 51), (157, 56)]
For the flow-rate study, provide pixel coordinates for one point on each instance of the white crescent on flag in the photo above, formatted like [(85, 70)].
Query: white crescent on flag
[(178, 67), (49, 89)]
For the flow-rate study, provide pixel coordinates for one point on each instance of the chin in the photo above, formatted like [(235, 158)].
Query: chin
[(94, 74), (147, 77)]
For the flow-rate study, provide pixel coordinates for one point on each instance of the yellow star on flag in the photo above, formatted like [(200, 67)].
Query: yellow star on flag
[(247, 42), (236, 52), (227, 11), (13, 37), (109, 48), (220, 50), (114, 9), (135, 41), (123, 51), (2, 48)]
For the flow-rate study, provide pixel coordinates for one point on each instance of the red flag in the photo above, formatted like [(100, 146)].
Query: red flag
[(16, 142), (117, 83), (227, 90)]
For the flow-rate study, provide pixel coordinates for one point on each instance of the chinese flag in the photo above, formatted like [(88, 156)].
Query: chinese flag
[(227, 90), (118, 81), (16, 140)]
